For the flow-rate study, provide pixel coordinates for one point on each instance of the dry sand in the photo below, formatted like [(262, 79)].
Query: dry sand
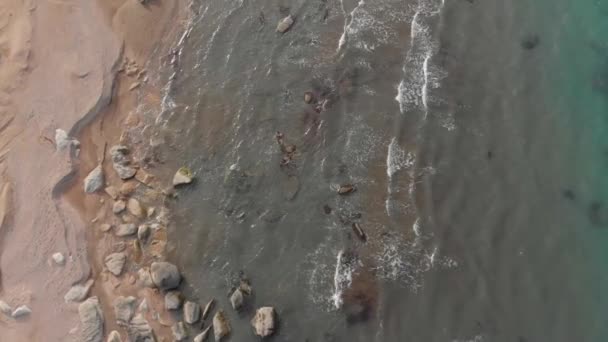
[(59, 69)]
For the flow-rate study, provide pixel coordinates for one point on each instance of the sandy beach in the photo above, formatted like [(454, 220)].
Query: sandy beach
[(71, 74)]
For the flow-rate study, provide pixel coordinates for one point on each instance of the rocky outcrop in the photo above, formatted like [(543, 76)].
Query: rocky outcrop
[(91, 320), (165, 275), (264, 322), (94, 180), (221, 326), (192, 312), (115, 263), (124, 309)]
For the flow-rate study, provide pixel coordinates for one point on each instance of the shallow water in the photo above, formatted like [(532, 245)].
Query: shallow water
[(477, 162)]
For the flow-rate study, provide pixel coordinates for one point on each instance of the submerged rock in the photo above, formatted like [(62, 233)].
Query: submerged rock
[(202, 336), (114, 337), (264, 322), (21, 311), (126, 229), (179, 331), (91, 320), (124, 309), (78, 292), (165, 275), (221, 326), (115, 263), (182, 176), (359, 231), (173, 300), (139, 330), (192, 312), (285, 24), (94, 181)]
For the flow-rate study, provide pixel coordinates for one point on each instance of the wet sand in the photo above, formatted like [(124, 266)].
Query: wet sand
[(61, 67)]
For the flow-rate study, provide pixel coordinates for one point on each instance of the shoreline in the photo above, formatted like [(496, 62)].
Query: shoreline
[(43, 206)]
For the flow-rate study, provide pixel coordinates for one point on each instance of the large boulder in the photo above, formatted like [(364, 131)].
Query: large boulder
[(221, 326), (94, 181), (192, 312), (165, 275), (264, 322), (124, 308), (91, 320), (115, 263)]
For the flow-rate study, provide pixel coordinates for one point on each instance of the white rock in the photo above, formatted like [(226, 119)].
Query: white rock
[(59, 259), (182, 176), (115, 262), (21, 311), (94, 181), (192, 312), (179, 331), (78, 292), (61, 139), (264, 321), (285, 24), (203, 336), (114, 337), (173, 300)]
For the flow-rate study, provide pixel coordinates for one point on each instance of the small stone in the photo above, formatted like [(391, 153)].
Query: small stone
[(346, 189), (264, 321), (134, 85), (285, 24), (165, 275), (78, 292), (150, 211), (124, 309), (308, 97), (5, 308), (139, 330), (126, 229), (221, 326), (112, 192), (114, 337), (135, 208), (182, 176), (119, 154), (91, 320), (202, 336), (173, 300), (124, 171), (236, 299), (61, 139), (143, 232), (119, 207), (59, 259), (115, 263), (192, 312), (94, 181), (105, 227), (179, 331), (208, 308), (145, 278), (127, 188), (21, 311)]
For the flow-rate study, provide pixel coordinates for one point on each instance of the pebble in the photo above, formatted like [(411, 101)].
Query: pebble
[(346, 189), (308, 97), (127, 188), (59, 259), (119, 207), (126, 229), (105, 227), (21, 311), (115, 263), (179, 331), (173, 300), (192, 312)]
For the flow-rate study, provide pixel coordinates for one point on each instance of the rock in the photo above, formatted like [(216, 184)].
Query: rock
[(59, 259), (61, 139), (221, 326), (144, 177), (94, 181), (126, 229), (359, 232), (145, 277), (182, 176), (264, 322), (346, 189), (173, 300), (78, 292), (236, 299), (119, 154), (165, 275), (245, 287), (127, 188), (135, 208), (124, 171), (208, 309), (179, 331), (308, 97), (134, 84), (143, 232), (112, 192), (285, 24), (114, 337), (91, 320), (105, 227), (119, 207), (124, 309), (139, 330), (192, 312), (115, 262), (21, 311), (143, 307), (5, 308), (202, 336), (150, 211)]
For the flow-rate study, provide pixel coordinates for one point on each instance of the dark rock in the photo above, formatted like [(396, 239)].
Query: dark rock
[(327, 209), (530, 42)]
